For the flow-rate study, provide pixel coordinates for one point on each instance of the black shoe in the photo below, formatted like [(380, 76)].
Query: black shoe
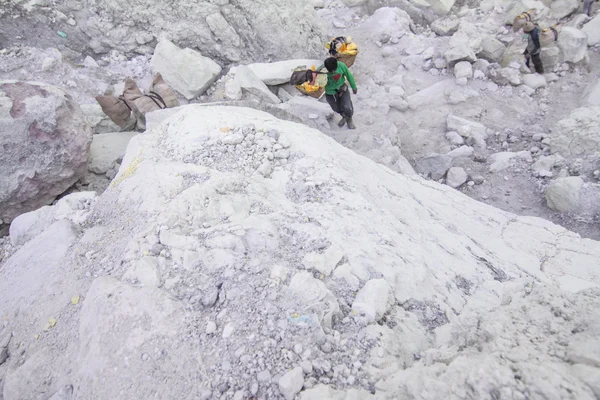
[(342, 122), (350, 123)]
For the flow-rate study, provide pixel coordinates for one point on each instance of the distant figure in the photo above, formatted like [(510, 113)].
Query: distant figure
[(336, 90), (587, 7), (532, 52)]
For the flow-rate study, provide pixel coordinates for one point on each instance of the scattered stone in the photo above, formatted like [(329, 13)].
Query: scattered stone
[(211, 327), (434, 165), (462, 151), (445, 26), (456, 177), (500, 161), (578, 135), (463, 69), (478, 179), (372, 301), (563, 194), (291, 383), (534, 81), (106, 149), (185, 70), (461, 52), (454, 138)]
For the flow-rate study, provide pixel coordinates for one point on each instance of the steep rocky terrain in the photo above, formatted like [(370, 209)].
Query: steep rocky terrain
[(239, 255)]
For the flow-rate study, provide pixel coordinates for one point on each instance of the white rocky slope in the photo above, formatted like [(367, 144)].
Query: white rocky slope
[(236, 255)]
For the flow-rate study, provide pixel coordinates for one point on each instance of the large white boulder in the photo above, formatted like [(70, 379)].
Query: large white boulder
[(241, 79), (278, 73), (463, 278), (492, 49), (106, 149), (45, 140), (592, 30), (185, 70), (578, 134), (573, 44), (563, 8), (563, 194)]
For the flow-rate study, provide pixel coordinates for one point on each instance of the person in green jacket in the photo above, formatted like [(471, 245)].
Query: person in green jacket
[(336, 90)]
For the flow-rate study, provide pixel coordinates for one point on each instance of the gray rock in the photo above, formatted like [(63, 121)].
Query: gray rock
[(241, 79), (291, 383), (492, 49), (463, 69), (573, 44), (106, 149), (185, 70), (461, 52), (434, 165), (563, 194), (65, 393), (454, 138), (45, 142), (534, 81), (563, 8), (592, 30), (462, 151), (456, 177), (445, 26)]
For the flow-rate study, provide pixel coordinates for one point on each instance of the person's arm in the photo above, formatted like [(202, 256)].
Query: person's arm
[(350, 78), (535, 36)]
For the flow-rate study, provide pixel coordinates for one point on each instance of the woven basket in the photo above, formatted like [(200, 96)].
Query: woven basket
[(316, 94), (346, 59)]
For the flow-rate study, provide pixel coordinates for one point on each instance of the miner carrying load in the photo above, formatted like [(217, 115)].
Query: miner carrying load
[(532, 52), (336, 90)]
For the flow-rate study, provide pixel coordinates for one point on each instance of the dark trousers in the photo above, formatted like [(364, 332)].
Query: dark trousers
[(341, 103), (537, 62)]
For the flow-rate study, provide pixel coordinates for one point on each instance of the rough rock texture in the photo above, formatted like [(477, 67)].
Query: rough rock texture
[(563, 8), (244, 30), (563, 194), (491, 49), (108, 148), (241, 79), (445, 26), (456, 177), (45, 140), (592, 94), (592, 30), (185, 70), (573, 44), (481, 303), (579, 134), (434, 165)]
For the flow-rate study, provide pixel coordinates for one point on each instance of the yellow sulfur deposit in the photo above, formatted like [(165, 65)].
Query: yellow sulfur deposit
[(307, 87)]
